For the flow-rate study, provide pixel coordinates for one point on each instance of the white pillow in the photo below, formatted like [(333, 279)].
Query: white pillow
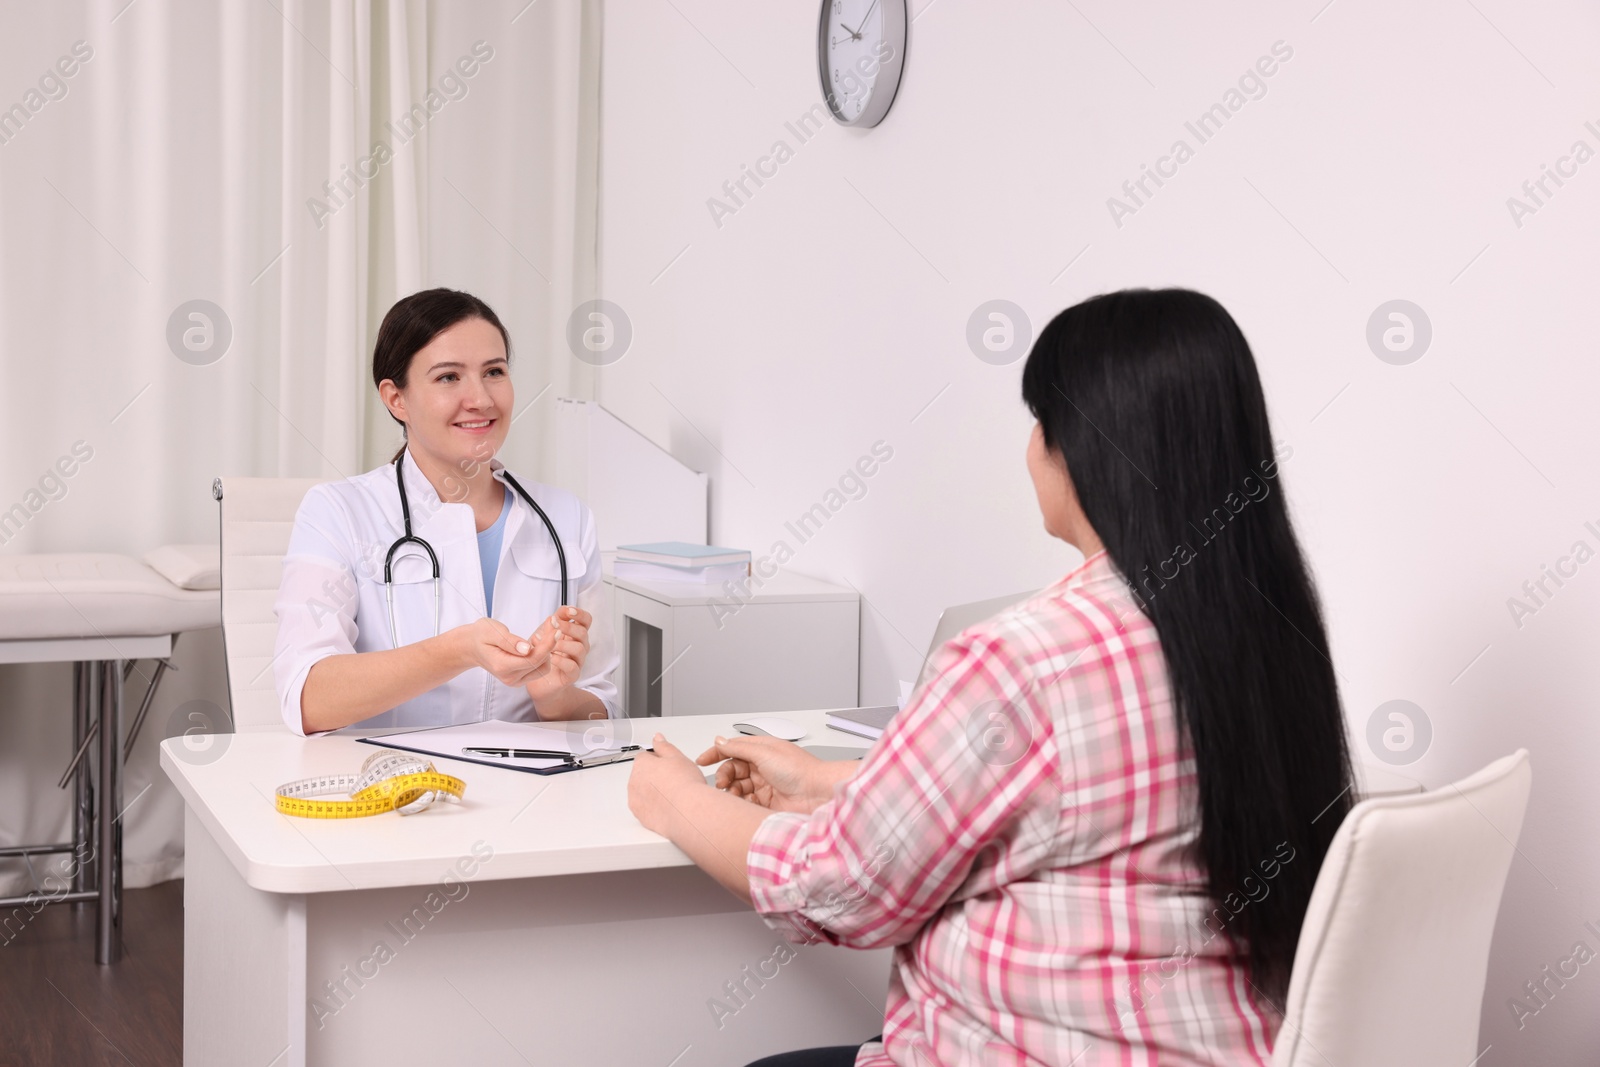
[(188, 566)]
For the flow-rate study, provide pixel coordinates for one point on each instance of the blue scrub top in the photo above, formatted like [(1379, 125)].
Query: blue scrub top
[(489, 552)]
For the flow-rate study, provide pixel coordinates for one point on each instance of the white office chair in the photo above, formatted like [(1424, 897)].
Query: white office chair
[(1390, 967), (257, 515)]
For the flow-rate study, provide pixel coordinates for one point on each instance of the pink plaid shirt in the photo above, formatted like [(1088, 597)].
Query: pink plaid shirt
[(1021, 835)]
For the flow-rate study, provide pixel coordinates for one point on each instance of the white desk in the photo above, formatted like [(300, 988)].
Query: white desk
[(583, 939)]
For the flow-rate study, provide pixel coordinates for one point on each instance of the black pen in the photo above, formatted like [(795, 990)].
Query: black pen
[(518, 753), (595, 759)]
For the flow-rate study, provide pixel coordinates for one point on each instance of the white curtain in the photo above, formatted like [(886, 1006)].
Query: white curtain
[(512, 178), (283, 161)]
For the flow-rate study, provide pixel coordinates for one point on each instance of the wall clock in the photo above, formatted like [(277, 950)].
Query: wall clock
[(861, 50)]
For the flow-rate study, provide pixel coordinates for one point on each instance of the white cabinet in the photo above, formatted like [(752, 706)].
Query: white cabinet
[(693, 650)]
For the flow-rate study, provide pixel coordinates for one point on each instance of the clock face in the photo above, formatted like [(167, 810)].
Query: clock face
[(860, 52)]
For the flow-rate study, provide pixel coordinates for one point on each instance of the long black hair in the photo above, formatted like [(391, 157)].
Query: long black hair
[(413, 322), (1152, 400)]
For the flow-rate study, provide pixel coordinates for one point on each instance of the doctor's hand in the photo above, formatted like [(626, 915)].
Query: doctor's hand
[(490, 644), (773, 773), (565, 636)]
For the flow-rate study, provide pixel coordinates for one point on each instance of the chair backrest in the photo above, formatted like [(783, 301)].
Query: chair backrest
[(257, 515), (960, 616), (1393, 955)]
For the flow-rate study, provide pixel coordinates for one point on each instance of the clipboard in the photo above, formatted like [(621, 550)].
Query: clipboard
[(581, 737)]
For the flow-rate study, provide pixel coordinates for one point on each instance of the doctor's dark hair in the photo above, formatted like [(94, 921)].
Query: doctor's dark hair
[(413, 322), (1152, 400)]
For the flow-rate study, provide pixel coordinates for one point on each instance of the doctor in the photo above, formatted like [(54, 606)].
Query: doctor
[(366, 631)]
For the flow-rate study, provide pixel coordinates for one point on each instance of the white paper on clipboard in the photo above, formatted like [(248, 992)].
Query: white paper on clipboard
[(580, 737)]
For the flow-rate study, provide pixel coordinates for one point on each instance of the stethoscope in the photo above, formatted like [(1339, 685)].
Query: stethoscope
[(405, 513)]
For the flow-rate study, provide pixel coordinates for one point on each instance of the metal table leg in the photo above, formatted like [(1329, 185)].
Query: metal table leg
[(83, 697), (108, 917)]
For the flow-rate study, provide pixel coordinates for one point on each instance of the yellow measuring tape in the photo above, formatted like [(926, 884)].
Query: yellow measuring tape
[(389, 781)]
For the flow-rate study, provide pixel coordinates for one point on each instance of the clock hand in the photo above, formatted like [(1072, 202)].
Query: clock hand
[(868, 15)]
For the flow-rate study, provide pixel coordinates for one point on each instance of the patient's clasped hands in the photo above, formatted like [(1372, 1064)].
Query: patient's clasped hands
[(770, 773), (775, 774)]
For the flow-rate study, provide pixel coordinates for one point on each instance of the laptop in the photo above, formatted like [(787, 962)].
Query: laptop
[(870, 722), (958, 618)]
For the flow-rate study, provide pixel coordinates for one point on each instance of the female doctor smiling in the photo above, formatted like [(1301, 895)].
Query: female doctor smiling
[(490, 637)]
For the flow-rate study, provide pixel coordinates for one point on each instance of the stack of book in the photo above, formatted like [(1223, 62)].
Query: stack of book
[(675, 561)]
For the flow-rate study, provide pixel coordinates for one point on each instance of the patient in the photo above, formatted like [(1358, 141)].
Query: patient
[(1092, 833)]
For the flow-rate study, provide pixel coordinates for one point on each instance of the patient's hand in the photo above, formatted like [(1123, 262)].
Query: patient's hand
[(775, 774)]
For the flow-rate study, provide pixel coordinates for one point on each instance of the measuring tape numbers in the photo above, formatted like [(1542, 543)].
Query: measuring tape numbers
[(389, 781)]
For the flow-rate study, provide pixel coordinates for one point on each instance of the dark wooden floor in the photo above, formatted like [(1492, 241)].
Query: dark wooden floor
[(57, 1006)]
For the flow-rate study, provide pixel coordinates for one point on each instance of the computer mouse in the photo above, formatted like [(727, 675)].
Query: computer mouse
[(770, 726)]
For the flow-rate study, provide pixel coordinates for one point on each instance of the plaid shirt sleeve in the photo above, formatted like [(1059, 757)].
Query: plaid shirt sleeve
[(959, 770)]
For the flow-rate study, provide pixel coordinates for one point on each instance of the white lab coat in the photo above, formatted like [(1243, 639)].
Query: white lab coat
[(331, 596)]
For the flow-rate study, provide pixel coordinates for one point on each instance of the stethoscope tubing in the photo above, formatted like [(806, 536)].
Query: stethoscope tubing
[(410, 538)]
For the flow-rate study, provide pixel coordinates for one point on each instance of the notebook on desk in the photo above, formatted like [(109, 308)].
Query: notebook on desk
[(863, 722), (582, 738)]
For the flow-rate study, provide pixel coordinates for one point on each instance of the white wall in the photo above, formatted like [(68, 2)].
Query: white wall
[(824, 315)]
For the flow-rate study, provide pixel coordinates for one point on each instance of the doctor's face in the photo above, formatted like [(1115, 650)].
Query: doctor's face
[(457, 402)]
